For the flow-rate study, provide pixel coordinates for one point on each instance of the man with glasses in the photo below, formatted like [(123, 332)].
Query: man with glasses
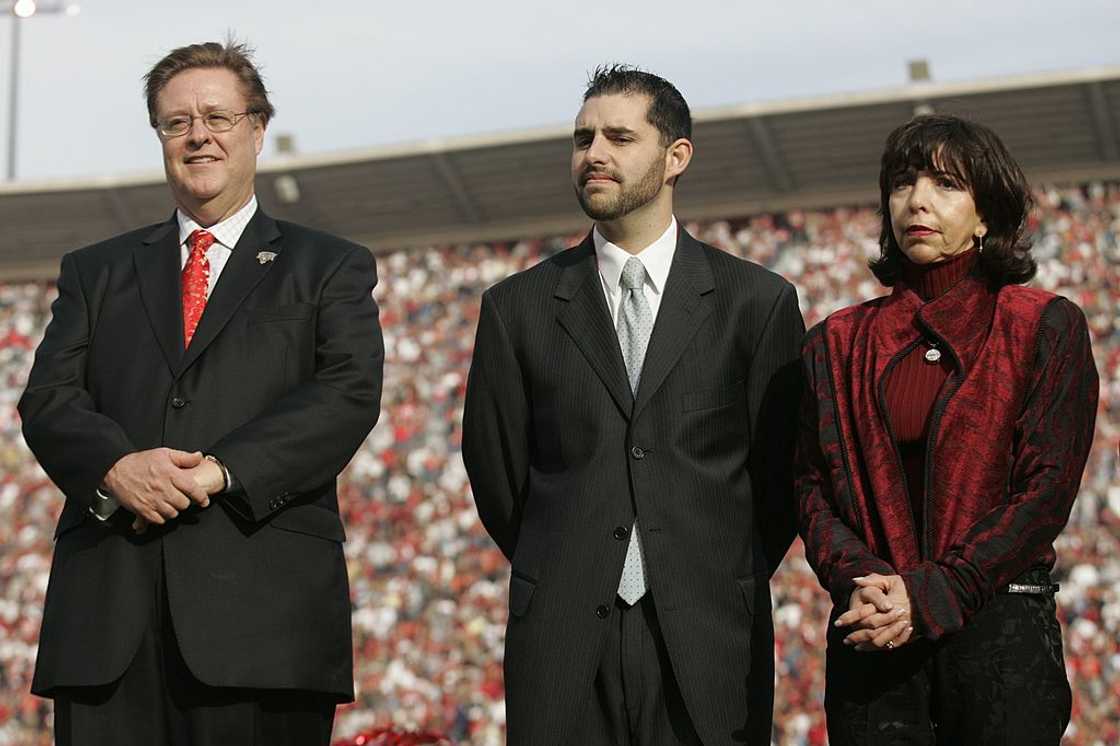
[(200, 386)]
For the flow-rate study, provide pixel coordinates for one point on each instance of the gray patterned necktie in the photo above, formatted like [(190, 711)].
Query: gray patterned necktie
[(635, 322)]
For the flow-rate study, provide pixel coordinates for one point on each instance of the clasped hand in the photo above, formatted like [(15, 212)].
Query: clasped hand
[(156, 485), (878, 614)]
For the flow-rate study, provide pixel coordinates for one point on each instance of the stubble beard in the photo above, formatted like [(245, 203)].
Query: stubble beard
[(628, 199)]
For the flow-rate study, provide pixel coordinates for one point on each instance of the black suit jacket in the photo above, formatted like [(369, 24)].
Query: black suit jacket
[(560, 455), (282, 382)]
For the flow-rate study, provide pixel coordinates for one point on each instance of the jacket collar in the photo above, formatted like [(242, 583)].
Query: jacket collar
[(959, 319), (584, 315), (157, 259)]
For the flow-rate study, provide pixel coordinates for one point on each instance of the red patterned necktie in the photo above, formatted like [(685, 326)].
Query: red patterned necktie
[(196, 276)]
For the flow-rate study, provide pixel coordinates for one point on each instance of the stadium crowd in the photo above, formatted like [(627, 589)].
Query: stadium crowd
[(428, 586)]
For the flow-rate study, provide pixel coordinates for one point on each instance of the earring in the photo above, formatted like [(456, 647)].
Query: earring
[(980, 250)]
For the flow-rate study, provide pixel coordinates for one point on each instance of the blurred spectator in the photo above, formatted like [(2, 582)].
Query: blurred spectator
[(428, 587)]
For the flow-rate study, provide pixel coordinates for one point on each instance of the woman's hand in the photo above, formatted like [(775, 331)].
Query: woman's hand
[(879, 613)]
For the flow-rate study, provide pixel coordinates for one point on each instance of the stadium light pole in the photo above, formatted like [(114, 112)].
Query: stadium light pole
[(20, 11)]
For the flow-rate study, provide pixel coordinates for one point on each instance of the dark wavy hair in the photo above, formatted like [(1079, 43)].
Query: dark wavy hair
[(668, 111), (234, 56), (974, 155)]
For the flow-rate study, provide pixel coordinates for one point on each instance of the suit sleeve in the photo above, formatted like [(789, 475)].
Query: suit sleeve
[(1053, 436), (774, 386), (835, 551), (306, 438), (75, 444), (496, 430)]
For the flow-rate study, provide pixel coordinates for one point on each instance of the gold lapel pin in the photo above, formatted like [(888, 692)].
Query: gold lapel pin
[(264, 257)]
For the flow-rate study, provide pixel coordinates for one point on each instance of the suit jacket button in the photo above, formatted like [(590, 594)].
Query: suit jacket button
[(637, 453), (602, 611), (178, 402), (621, 533)]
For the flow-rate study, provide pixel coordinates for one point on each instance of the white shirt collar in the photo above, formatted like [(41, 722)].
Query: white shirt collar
[(657, 258), (227, 232)]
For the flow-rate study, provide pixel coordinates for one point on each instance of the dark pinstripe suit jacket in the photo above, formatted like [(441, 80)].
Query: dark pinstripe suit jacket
[(560, 454)]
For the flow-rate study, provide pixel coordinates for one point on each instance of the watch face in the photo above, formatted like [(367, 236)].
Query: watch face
[(104, 506)]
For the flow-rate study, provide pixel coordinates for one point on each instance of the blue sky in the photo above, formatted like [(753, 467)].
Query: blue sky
[(349, 74)]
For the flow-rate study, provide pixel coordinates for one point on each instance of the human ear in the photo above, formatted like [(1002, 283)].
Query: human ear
[(677, 157)]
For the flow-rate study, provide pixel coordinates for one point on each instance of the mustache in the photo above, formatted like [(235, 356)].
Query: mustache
[(590, 173)]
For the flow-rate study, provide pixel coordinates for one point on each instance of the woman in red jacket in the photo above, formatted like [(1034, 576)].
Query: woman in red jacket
[(942, 443)]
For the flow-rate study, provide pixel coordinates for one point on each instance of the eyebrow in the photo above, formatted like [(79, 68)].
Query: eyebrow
[(609, 131), (184, 111), (939, 173)]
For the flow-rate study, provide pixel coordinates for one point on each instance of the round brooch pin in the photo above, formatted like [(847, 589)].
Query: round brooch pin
[(933, 355)]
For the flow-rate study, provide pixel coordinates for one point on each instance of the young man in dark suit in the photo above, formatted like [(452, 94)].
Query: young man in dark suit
[(628, 433), (200, 386)]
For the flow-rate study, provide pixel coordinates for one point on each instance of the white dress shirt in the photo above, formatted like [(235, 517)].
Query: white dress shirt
[(226, 234), (657, 258)]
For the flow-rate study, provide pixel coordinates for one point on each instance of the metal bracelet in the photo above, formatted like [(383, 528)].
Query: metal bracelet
[(1034, 589), (226, 480)]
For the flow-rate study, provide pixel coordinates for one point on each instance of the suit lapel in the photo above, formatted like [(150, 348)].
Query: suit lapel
[(584, 315), (683, 309), (241, 274), (157, 261)]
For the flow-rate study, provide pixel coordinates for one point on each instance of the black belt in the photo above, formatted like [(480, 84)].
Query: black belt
[(1033, 589)]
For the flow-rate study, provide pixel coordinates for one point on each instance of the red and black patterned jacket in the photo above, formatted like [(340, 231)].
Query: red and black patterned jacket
[(1008, 438)]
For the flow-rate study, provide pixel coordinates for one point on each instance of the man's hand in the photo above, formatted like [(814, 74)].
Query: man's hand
[(879, 611), (209, 476), (156, 485)]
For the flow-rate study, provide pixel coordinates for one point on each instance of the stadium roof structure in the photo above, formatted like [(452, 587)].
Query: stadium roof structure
[(811, 152)]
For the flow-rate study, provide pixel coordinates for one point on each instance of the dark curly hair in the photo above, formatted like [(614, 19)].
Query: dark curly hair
[(973, 154)]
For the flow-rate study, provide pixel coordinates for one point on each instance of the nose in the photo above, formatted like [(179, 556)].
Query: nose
[(197, 134), (919, 194), (597, 151)]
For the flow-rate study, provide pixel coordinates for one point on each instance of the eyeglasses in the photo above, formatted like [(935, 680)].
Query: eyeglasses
[(215, 121)]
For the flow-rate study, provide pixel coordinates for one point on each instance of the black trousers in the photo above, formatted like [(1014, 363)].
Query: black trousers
[(159, 702), (636, 700), (1000, 680)]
